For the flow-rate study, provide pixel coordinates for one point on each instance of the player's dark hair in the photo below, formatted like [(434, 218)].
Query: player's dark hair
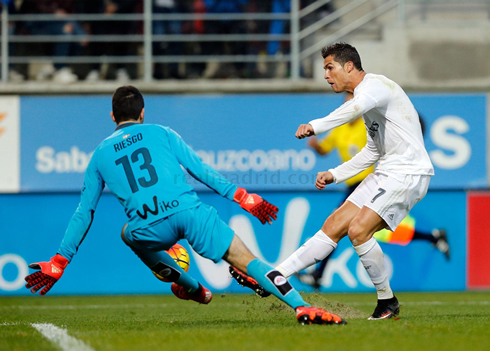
[(127, 103), (342, 53)]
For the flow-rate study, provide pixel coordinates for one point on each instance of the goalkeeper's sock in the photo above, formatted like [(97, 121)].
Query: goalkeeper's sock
[(275, 283), (310, 253), (372, 259), (164, 265)]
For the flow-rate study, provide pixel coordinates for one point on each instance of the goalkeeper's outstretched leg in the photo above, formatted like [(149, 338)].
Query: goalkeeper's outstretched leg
[(274, 282)]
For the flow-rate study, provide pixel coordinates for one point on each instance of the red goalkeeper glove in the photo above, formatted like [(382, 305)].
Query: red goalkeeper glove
[(50, 272), (253, 203)]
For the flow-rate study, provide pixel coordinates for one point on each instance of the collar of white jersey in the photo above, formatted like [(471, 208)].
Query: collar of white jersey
[(362, 81)]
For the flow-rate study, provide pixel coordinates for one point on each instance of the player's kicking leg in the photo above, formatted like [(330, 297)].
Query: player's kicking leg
[(316, 249), (160, 262), (325, 241), (274, 282)]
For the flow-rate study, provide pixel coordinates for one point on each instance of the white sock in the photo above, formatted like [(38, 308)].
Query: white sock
[(372, 259), (311, 252)]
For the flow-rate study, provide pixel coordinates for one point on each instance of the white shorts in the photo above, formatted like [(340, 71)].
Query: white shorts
[(390, 195)]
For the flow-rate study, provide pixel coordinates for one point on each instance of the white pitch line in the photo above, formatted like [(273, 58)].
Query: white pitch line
[(77, 307), (7, 324), (60, 337)]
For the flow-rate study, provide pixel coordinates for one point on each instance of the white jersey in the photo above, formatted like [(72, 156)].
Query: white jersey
[(394, 137)]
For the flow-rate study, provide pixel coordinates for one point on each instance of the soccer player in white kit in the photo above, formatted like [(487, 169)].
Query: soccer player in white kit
[(385, 197)]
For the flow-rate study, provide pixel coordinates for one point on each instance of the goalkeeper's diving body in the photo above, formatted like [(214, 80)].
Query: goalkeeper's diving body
[(142, 166)]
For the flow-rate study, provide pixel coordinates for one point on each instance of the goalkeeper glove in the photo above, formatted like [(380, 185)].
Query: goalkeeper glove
[(50, 272), (253, 203)]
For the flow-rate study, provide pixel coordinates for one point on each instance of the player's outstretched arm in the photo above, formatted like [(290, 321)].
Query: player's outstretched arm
[(50, 272), (304, 131), (349, 111), (323, 178), (257, 206), (83, 217)]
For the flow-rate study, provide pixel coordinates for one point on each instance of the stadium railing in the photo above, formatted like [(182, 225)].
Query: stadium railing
[(147, 38)]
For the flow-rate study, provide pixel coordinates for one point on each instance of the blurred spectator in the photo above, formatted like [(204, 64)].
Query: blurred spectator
[(282, 26), (95, 48), (14, 74), (257, 47), (120, 71), (162, 47), (61, 8), (277, 26), (195, 70), (225, 27), (310, 40), (278, 69)]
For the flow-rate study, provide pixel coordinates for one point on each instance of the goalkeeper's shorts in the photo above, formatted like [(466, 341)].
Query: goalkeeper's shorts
[(201, 226)]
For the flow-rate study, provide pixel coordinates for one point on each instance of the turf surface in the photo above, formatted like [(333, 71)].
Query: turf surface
[(428, 321)]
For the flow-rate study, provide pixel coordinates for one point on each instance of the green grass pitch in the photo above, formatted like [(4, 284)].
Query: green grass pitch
[(428, 321)]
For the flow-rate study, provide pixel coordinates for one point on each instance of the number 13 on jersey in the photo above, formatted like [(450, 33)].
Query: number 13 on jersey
[(127, 162)]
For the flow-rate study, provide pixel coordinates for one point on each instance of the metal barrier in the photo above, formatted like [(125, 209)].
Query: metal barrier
[(147, 38)]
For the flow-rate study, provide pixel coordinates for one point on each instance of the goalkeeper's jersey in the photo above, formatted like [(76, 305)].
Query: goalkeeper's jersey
[(142, 166)]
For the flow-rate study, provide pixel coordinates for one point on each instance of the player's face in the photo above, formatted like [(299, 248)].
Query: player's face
[(335, 74)]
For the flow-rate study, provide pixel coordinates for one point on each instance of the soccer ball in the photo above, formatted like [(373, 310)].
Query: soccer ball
[(180, 256)]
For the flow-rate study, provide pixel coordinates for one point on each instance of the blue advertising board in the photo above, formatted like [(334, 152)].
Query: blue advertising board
[(32, 226), (456, 138), (248, 138)]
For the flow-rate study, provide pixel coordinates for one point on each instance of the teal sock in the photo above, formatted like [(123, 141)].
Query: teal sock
[(162, 263), (275, 283)]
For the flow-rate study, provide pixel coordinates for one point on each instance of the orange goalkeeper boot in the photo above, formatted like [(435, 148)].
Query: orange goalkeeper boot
[(249, 282), (314, 315)]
